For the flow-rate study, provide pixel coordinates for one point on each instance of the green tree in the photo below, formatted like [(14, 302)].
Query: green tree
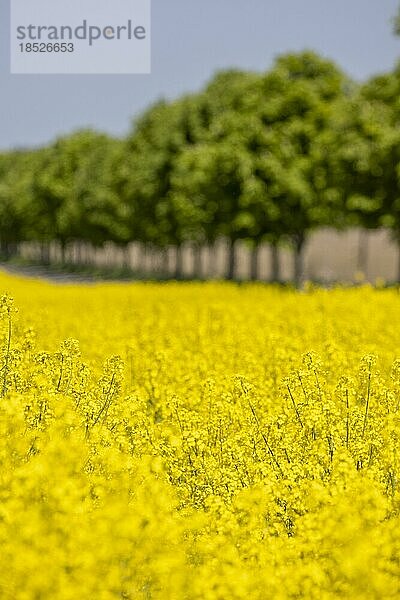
[(158, 216), (218, 179), (14, 212), (69, 199), (382, 95), (299, 97)]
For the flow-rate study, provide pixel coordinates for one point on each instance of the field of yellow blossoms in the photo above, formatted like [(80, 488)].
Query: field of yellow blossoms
[(198, 441)]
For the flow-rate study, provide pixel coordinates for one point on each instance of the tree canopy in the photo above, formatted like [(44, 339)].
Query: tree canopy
[(257, 157)]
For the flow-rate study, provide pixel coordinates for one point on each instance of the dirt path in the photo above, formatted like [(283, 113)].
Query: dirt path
[(41, 272)]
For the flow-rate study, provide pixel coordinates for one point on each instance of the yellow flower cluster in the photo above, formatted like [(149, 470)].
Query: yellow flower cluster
[(201, 441)]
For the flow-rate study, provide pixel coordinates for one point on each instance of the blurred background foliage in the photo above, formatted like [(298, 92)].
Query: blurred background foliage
[(260, 157)]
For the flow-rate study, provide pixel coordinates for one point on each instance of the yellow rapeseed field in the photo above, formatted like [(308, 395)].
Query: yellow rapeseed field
[(198, 441)]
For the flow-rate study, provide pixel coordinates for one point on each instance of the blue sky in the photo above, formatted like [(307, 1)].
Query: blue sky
[(190, 41)]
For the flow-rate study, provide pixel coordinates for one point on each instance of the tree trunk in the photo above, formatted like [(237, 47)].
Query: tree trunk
[(178, 262), (85, 253), (12, 249), (275, 265), (3, 249), (231, 271), (299, 240), (63, 247), (362, 256), (78, 253), (212, 257), (398, 264), (126, 257), (142, 263), (165, 261), (44, 253), (155, 262), (254, 262), (197, 261)]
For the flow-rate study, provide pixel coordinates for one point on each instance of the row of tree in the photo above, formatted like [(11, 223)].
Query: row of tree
[(258, 157)]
